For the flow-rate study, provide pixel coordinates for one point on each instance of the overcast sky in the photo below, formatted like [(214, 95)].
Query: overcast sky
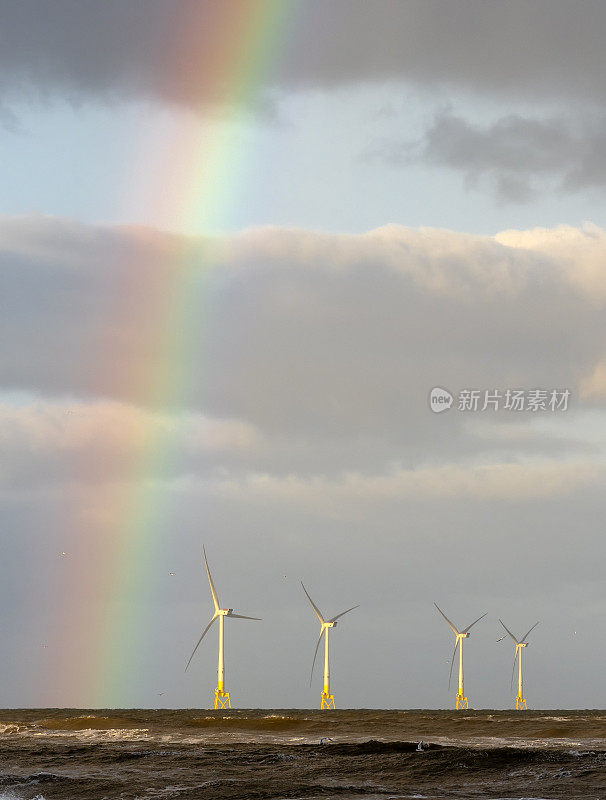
[(239, 245)]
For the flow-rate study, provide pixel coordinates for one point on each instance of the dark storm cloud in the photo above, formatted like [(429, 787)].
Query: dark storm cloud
[(168, 51)]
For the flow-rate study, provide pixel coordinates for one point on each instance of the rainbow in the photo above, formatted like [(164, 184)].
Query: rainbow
[(197, 185)]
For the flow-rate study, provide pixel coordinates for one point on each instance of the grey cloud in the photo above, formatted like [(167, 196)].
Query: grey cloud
[(511, 152), (325, 345), (298, 316), (168, 52), (516, 156)]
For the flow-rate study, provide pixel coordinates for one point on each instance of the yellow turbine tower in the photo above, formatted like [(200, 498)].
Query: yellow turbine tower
[(221, 696), (520, 699), (328, 700), (462, 701)]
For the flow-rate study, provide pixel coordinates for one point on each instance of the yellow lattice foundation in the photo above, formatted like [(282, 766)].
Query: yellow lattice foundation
[(222, 699)]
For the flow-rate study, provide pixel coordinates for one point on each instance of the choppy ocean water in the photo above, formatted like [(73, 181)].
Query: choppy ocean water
[(252, 754)]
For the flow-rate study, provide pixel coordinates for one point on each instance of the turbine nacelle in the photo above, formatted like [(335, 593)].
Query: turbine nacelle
[(519, 642), (464, 635), (329, 624), (224, 612)]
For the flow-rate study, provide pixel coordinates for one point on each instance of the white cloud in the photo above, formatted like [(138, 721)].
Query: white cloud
[(594, 386), (56, 426), (489, 482), (577, 254), (49, 441)]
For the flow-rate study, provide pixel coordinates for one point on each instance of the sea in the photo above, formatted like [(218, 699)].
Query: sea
[(68, 754)]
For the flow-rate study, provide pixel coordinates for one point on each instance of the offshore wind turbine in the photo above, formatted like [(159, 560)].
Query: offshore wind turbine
[(328, 700), (462, 701), (520, 699), (221, 696)]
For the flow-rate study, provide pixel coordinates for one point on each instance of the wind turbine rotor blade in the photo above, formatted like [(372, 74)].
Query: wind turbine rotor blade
[(333, 619), (204, 632), (509, 632), (455, 631), (315, 607), (513, 671), (240, 616), (313, 663), (528, 632), (213, 591), (452, 663), (469, 627)]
